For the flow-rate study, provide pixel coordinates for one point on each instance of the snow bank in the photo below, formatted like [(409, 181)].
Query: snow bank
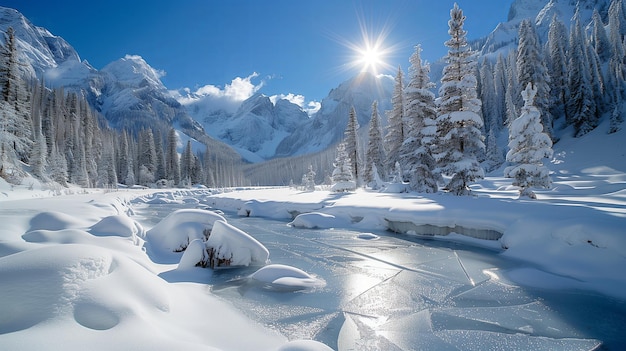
[(65, 281), (314, 220), (230, 246), (286, 277), (179, 228)]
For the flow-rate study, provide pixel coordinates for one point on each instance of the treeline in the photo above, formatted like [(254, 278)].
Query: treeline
[(56, 136), (579, 78)]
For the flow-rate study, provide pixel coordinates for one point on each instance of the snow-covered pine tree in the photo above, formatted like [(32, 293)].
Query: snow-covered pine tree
[(172, 164), (488, 96), (342, 174), (375, 155), (597, 83), (499, 86), (58, 167), (528, 146), (581, 103), (616, 86), (600, 39), (147, 157), (15, 124), (531, 67), (395, 126), (617, 29), (351, 142), (186, 164), (160, 157), (556, 49), (420, 112), (309, 184), (459, 140)]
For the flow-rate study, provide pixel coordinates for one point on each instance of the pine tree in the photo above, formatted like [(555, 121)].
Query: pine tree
[(15, 124), (458, 140), (395, 127), (420, 114), (499, 86), (375, 155), (531, 67), (186, 164), (617, 29), (58, 167), (528, 147), (581, 104), (557, 66), (342, 174), (601, 42), (147, 157), (172, 165), (351, 144), (309, 183)]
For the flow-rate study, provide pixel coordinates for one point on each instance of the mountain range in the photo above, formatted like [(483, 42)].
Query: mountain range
[(130, 94)]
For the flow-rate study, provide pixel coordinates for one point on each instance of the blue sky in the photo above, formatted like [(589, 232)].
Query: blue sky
[(299, 47)]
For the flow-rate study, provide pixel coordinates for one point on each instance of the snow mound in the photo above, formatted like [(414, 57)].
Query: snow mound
[(117, 225), (179, 228), (63, 236), (304, 345), (279, 275), (54, 221), (230, 246), (60, 281), (314, 220), (368, 236)]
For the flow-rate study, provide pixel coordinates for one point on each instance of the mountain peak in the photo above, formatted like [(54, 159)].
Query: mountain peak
[(133, 70)]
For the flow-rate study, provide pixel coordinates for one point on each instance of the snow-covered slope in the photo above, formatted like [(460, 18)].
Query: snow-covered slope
[(504, 37), (39, 50), (128, 92), (255, 128), (327, 126)]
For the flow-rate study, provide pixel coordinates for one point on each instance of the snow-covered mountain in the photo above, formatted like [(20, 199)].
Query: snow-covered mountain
[(327, 126), (128, 92), (504, 37), (257, 126)]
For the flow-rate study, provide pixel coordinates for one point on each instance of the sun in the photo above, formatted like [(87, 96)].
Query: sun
[(371, 58)]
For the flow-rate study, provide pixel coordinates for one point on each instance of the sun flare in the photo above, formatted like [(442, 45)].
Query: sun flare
[(371, 59)]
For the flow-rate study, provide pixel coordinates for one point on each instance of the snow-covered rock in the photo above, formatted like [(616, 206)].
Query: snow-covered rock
[(194, 255), (180, 228), (229, 246), (280, 276), (314, 220)]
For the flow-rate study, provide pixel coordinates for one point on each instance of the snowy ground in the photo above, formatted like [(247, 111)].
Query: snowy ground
[(76, 270)]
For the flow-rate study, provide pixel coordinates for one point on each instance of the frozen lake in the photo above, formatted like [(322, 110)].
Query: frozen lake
[(397, 292)]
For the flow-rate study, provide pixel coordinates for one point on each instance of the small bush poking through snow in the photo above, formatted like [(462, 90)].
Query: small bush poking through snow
[(230, 246)]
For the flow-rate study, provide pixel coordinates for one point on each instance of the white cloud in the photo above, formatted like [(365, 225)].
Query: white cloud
[(228, 98), (309, 107)]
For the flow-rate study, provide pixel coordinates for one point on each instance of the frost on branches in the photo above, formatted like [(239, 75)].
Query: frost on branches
[(528, 146), (459, 140), (342, 174)]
